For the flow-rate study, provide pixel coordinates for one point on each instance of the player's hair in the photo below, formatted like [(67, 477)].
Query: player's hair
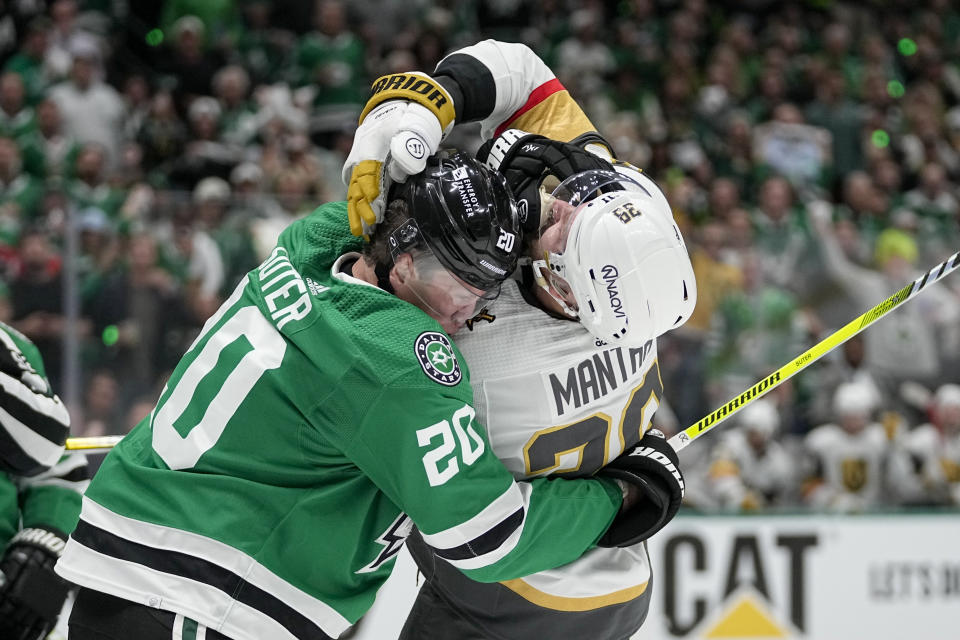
[(377, 251)]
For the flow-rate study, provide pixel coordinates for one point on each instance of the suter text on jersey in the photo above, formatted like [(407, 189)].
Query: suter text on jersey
[(281, 284)]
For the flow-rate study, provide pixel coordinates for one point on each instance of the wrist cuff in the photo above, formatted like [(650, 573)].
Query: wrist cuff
[(502, 145), (414, 87), (50, 541)]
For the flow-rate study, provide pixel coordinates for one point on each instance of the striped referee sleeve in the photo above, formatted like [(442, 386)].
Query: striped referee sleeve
[(34, 423)]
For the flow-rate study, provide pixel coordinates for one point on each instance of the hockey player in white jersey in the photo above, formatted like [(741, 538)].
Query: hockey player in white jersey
[(559, 400), (934, 450), (848, 460), (751, 469)]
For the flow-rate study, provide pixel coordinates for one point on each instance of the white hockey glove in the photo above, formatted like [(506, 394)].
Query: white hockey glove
[(652, 467), (400, 127)]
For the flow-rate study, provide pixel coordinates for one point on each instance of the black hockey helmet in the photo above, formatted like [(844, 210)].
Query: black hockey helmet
[(466, 215)]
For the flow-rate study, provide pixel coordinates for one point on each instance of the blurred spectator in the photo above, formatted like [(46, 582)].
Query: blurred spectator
[(140, 316), (723, 198), (20, 193), (206, 153), (332, 59), (187, 62), (716, 279), (139, 409), (907, 345), (782, 239), (754, 331), (194, 257), (751, 469), (102, 406), (938, 211), (795, 150), (834, 110), (255, 209), (220, 18), (28, 62), (37, 297), (238, 122), (136, 104), (92, 110), (211, 198), (98, 251), (49, 152), (583, 60), (262, 47), (16, 117), (162, 135), (934, 450), (67, 38), (90, 188), (733, 157)]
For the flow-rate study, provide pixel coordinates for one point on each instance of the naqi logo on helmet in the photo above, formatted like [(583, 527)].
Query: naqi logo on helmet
[(610, 275), (436, 358)]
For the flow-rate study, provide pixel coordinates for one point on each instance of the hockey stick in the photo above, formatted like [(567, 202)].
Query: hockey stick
[(712, 419), (811, 355), (92, 442)]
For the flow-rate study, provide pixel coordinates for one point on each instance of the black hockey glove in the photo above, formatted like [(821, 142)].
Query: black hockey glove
[(31, 594), (652, 467), (525, 159)]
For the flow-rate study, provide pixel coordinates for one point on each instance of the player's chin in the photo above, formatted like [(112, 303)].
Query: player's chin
[(451, 326)]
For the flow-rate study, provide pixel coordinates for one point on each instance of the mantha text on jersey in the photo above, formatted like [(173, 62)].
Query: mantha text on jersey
[(280, 285), (594, 377)]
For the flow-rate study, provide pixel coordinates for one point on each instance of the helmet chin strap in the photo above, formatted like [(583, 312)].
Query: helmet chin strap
[(552, 263)]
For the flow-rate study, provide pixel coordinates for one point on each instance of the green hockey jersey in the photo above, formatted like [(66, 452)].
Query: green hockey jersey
[(311, 421)]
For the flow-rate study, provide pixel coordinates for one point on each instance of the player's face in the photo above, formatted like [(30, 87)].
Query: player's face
[(949, 417), (449, 300), (854, 422), (553, 240), (440, 294)]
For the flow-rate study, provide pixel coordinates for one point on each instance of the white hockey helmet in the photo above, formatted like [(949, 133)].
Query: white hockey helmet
[(613, 257), (947, 395), (854, 398), (760, 417)]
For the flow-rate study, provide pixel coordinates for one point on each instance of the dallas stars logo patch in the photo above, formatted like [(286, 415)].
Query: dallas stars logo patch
[(436, 358)]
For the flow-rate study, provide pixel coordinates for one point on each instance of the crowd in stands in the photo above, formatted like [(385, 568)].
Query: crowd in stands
[(810, 150)]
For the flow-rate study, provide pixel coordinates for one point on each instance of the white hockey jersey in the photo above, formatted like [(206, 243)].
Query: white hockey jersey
[(938, 455), (852, 466), (557, 401), (743, 478)]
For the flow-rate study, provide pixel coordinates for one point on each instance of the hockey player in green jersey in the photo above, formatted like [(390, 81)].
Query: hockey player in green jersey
[(39, 491), (561, 398), (320, 412)]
